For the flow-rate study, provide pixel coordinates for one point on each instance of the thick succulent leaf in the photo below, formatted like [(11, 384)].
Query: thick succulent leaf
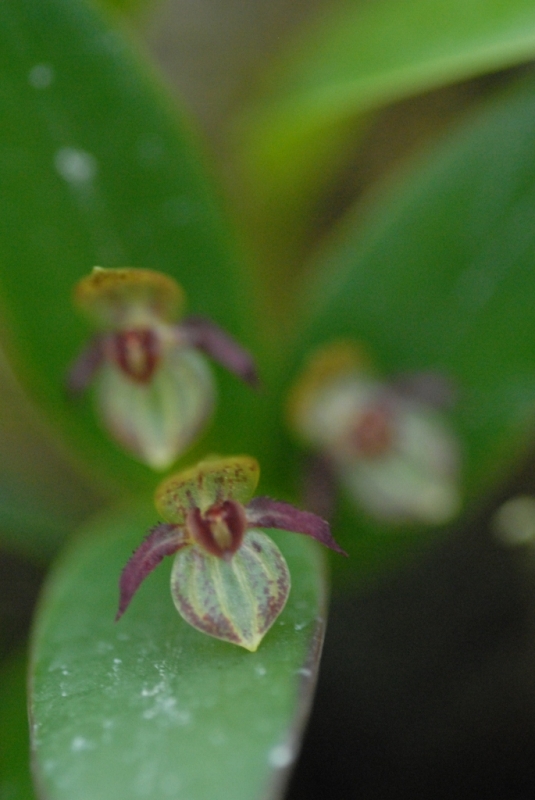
[(115, 181), (208, 482), (442, 278), (366, 56), (149, 706), (268, 513), (15, 779), (236, 600)]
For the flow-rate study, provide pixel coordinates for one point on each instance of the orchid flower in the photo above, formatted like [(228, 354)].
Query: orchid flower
[(229, 579), (386, 442), (155, 390)]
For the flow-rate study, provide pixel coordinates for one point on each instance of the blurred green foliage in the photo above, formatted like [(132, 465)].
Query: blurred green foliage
[(432, 270)]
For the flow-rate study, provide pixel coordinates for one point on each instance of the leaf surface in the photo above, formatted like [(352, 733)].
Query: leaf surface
[(95, 168), (439, 276), (361, 57), (151, 707)]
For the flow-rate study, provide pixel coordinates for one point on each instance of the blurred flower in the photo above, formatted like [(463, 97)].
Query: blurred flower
[(155, 391), (386, 442), (229, 579)]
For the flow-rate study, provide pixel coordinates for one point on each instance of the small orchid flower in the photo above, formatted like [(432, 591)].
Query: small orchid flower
[(385, 441), (229, 579), (155, 391)]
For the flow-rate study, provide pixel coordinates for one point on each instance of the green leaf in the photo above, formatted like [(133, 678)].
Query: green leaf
[(131, 7), (95, 168), (151, 706), (439, 275), (364, 56), (15, 779)]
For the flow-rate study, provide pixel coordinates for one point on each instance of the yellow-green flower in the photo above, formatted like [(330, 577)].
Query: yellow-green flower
[(154, 387), (229, 579), (386, 442)]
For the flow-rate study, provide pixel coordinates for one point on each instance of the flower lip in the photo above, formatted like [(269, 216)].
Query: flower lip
[(373, 433), (136, 352), (220, 529)]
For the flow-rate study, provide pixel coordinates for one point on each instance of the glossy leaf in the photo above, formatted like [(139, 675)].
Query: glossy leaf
[(115, 180), (236, 600), (151, 706), (440, 276), (363, 56)]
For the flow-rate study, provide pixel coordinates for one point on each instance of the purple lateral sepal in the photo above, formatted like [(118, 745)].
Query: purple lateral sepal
[(266, 513), (212, 340), (163, 540), (83, 369), (431, 388)]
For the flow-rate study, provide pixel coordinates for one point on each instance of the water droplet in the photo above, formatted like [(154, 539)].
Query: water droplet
[(79, 744), (281, 756), (260, 670), (305, 672), (151, 692), (75, 166), (299, 626), (41, 76)]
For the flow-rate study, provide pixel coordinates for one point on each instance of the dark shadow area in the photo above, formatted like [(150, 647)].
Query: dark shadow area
[(427, 687), (20, 581)]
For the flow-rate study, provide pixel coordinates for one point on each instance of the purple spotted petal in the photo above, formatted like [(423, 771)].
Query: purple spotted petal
[(163, 540), (83, 369), (266, 513), (212, 340)]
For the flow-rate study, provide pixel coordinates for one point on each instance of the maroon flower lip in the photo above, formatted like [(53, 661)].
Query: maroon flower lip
[(220, 529), (136, 352)]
